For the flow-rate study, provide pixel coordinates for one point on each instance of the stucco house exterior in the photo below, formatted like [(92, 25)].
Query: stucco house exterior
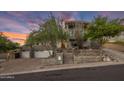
[(75, 29)]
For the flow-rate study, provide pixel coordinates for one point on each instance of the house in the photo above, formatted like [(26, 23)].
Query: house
[(75, 30)]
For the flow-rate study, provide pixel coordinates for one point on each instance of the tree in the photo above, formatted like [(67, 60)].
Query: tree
[(48, 34), (62, 37), (102, 28), (6, 44), (32, 39)]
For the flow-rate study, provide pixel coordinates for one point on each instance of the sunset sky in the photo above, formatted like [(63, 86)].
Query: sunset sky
[(17, 25)]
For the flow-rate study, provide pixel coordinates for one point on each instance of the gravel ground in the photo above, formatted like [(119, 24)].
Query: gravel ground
[(115, 47), (19, 65)]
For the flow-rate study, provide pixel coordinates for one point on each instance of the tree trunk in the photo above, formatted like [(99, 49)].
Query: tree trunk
[(32, 52), (62, 44), (80, 43)]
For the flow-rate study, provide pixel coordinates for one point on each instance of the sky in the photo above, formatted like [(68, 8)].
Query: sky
[(16, 25)]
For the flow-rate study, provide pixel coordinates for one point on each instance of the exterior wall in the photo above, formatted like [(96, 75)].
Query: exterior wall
[(65, 57), (48, 61), (3, 55), (85, 59), (7, 56), (85, 56), (42, 54), (59, 58), (77, 27), (68, 57), (80, 56), (37, 54), (25, 54)]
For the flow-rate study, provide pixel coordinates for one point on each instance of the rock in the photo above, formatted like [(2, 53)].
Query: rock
[(106, 58)]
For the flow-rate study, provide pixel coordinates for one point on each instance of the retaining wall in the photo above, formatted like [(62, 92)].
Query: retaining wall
[(3, 55), (84, 56)]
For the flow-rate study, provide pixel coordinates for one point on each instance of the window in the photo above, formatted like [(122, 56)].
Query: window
[(71, 26)]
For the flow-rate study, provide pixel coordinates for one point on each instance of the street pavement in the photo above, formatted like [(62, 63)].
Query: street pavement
[(102, 73)]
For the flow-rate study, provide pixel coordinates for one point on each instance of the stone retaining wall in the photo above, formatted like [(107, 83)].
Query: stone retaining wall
[(49, 61), (85, 59), (3, 55), (59, 58), (81, 56), (33, 61), (88, 56)]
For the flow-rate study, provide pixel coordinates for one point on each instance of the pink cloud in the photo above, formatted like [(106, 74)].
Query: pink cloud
[(104, 13), (23, 16), (14, 25), (67, 15), (17, 13), (33, 26)]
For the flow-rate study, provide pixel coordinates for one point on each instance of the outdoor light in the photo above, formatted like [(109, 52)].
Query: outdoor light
[(59, 58)]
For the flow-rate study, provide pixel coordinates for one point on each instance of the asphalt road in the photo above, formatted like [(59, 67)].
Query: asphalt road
[(105, 73)]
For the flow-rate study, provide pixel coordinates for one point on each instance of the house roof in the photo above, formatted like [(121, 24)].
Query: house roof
[(35, 47), (25, 48)]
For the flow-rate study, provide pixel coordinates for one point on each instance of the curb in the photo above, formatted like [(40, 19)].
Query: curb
[(69, 66)]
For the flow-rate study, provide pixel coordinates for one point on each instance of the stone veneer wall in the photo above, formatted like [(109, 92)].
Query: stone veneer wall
[(85, 59), (68, 57), (80, 56), (84, 56), (59, 58), (3, 55), (49, 61)]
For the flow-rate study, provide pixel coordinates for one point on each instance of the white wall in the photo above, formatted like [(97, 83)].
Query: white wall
[(25, 54), (42, 54)]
